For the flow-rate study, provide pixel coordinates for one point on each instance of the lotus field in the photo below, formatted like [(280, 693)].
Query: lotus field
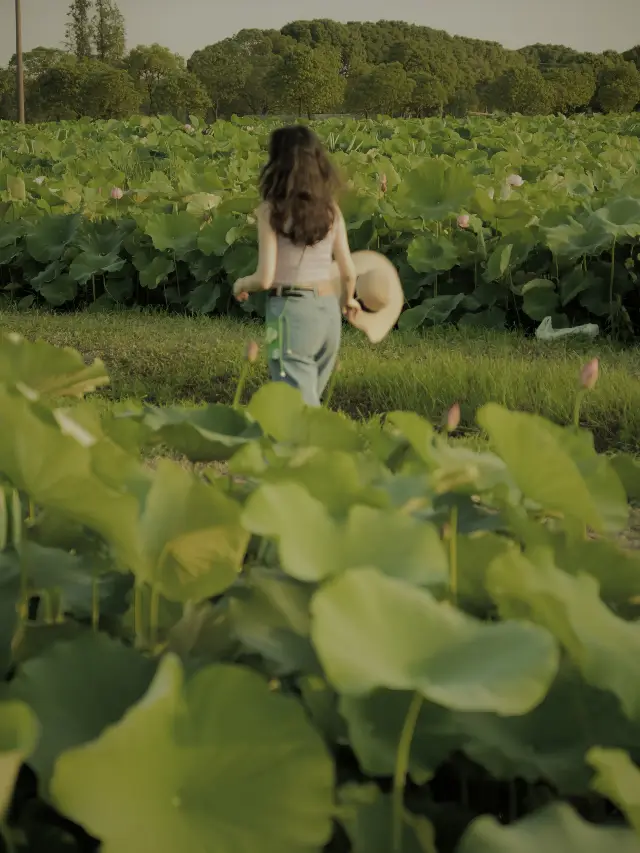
[(358, 637), (490, 221)]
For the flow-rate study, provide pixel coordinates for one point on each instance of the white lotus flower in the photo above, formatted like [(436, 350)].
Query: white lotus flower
[(40, 179), (515, 181)]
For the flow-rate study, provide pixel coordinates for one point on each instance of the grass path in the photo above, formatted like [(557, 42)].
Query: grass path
[(169, 359)]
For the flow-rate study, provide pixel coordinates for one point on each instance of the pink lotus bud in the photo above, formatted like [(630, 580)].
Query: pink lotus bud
[(383, 183), (253, 351), (453, 418), (589, 374), (189, 128), (464, 220), (117, 193), (515, 181)]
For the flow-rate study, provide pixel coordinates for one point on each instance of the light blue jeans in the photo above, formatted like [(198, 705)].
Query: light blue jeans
[(303, 341)]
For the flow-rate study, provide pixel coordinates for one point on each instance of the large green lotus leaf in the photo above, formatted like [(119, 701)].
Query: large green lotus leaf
[(204, 298), (604, 647), (573, 240), (627, 468), (18, 736), (16, 188), (210, 434), (368, 815), (615, 568), (418, 433), (88, 264), (336, 478), (56, 471), (436, 309), (51, 235), (499, 262), (397, 544), (238, 767), (618, 779), (282, 414), (241, 260), (77, 689), (309, 542), (372, 631), (103, 238), (620, 218), (540, 298), (547, 745), (154, 270), (576, 282), (192, 539), (212, 239), (428, 253), (435, 190), (59, 291), (175, 232), (11, 232), (375, 724), (269, 615), (10, 594), (47, 370), (557, 468), (557, 829)]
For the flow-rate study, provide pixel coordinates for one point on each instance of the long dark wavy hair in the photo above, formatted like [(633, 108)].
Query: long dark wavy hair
[(299, 184)]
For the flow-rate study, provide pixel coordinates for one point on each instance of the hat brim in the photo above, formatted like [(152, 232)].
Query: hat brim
[(376, 325)]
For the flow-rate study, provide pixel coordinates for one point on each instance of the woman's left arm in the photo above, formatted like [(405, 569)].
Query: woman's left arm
[(264, 276)]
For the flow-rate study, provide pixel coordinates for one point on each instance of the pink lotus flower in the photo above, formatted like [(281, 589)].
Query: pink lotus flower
[(515, 181), (117, 193), (189, 128), (464, 220), (589, 374), (383, 183), (453, 418)]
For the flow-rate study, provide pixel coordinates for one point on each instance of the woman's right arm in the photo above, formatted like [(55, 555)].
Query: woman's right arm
[(344, 261)]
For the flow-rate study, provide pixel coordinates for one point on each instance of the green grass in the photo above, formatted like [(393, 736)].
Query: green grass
[(169, 359)]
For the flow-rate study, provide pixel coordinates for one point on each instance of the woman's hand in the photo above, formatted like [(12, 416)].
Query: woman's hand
[(241, 290), (352, 311)]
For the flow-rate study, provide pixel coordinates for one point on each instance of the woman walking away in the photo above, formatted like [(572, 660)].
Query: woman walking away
[(301, 231)]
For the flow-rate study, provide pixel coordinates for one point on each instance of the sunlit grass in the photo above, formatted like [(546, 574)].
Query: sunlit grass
[(166, 359)]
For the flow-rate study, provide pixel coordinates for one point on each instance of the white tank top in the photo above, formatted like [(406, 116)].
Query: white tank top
[(300, 265)]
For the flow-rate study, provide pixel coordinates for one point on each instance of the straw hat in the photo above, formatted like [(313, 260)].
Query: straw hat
[(379, 290)]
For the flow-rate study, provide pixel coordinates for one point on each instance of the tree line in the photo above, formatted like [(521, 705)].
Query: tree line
[(309, 68)]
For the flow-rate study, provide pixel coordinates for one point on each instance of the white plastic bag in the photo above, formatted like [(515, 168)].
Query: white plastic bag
[(546, 332)]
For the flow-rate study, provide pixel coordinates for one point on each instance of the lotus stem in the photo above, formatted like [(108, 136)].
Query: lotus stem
[(403, 757)]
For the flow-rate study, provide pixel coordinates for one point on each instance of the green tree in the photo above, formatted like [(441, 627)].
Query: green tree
[(633, 55), (522, 90), (106, 92), (619, 89), (180, 94), (148, 66), (573, 88), (308, 80), (108, 30), (429, 96), (57, 94), (7, 95), (222, 69), (385, 88), (80, 34), (39, 60)]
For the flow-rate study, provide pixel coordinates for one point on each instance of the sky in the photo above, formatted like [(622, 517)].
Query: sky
[(187, 25)]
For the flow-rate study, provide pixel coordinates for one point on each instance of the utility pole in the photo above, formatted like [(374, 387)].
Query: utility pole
[(19, 63)]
